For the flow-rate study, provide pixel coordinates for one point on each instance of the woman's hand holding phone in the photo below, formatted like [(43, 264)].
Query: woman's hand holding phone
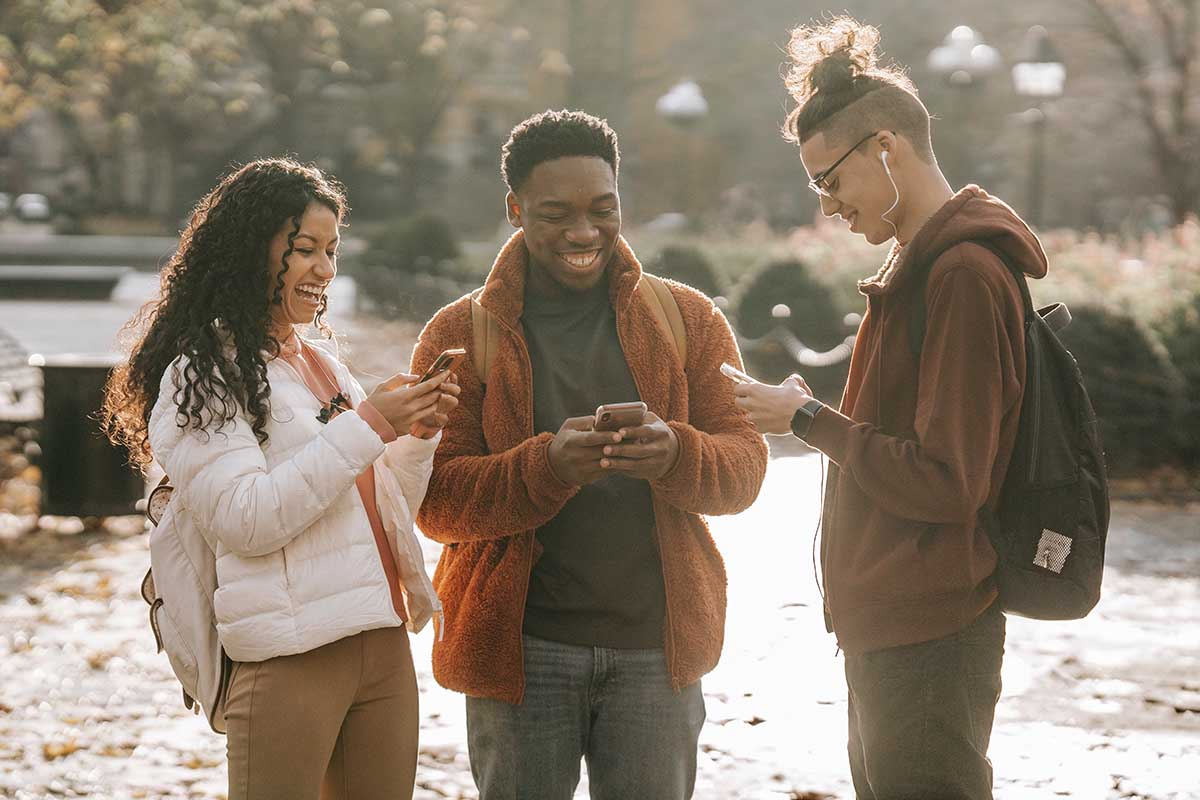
[(429, 426), (404, 403)]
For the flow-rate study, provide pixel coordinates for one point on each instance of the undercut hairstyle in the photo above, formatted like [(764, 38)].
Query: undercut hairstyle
[(843, 92), (555, 134)]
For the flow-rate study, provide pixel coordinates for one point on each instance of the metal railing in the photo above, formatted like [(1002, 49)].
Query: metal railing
[(781, 337)]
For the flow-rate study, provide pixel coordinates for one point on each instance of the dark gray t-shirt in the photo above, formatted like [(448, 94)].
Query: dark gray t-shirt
[(599, 580)]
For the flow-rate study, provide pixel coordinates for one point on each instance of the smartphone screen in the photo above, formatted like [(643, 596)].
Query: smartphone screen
[(734, 374)]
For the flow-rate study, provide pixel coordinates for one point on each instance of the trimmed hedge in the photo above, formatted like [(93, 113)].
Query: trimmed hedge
[(1137, 391), (1181, 336), (816, 320), (421, 243), (411, 269), (688, 265)]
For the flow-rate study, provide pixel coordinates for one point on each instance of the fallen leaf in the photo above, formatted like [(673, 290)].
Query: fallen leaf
[(99, 660), (118, 750), (53, 750)]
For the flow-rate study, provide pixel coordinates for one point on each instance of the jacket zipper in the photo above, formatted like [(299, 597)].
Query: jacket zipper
[(528, 364), (670, 642)]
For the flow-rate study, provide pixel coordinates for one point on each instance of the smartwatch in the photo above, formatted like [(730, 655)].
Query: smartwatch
[(802, 419)]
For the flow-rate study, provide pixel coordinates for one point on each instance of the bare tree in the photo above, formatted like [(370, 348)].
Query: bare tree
[(1157, 44)]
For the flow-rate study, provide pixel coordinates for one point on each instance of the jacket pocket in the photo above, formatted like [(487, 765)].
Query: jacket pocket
[(179, 652)]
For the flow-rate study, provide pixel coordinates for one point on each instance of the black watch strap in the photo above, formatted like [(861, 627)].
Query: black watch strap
[(802, 419)]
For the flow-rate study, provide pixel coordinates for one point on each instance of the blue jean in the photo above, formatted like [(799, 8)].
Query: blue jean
[(921, 715), (613, 707)]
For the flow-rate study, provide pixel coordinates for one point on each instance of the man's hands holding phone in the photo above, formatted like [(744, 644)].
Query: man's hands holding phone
[(580, 455), (421, 409)]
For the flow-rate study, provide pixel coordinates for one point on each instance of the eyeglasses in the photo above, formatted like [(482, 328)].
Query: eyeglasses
[(818, 183)]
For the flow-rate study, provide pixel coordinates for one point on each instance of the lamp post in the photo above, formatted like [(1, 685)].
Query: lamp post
[(964, 60), (1039, 75), (684, 106), (963, 57)]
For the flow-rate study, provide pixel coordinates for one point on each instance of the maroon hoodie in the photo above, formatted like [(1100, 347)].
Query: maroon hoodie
[(921, 448)]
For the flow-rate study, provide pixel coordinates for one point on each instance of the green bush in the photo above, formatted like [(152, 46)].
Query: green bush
[(421, 243), (1136, 390), (689, 265), (1181, 335), (411, 295), (411, 269), (816, 320)]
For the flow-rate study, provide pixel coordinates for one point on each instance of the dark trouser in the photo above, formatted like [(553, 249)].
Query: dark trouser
[(613, 707), (921, 715)]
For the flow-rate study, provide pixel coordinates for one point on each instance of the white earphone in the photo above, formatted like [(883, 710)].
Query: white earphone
[(883, 155)]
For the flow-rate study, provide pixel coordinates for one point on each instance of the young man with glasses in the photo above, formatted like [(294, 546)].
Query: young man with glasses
[(924, 433)]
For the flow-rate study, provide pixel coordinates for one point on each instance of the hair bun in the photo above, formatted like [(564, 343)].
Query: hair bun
[(830, 58)]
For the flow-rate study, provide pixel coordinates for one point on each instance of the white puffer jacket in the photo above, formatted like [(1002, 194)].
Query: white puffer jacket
[(297, 565)]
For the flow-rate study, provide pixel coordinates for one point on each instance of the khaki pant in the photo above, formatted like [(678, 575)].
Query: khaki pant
[(336, 723)]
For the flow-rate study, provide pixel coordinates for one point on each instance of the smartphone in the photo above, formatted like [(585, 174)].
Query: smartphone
[(614, 416), (736, 375), (447, 360)]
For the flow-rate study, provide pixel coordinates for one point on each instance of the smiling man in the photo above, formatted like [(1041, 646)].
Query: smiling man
[(926, 426), (584, 597)]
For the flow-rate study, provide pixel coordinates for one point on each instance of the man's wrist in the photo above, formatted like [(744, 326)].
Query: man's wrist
[(803, 418)]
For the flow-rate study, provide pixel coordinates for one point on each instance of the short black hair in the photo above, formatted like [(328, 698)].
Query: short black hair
[(556, 134)]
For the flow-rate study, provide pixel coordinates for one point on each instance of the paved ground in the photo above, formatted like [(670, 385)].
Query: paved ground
[(1106, 708)]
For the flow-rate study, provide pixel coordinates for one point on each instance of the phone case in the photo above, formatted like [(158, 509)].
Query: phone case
[(615, 416), (447, 360)]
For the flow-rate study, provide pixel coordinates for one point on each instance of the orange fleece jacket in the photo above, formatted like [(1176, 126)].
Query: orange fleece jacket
[(922, 447), (492, 486)]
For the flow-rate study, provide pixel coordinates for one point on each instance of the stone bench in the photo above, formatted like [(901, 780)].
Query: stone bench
[(35, 282)]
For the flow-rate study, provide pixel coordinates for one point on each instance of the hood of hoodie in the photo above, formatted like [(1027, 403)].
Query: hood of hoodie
[(970, 215)]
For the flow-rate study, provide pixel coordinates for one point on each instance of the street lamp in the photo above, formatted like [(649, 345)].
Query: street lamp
[(964, 60), (1039, 75), (684, 106), (963, 57)]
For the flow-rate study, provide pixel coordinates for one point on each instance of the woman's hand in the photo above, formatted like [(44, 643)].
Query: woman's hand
[(429, 426), (771, 407), (403, 402)]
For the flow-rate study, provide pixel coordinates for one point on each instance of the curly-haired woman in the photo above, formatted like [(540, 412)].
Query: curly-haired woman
[(304, 487)]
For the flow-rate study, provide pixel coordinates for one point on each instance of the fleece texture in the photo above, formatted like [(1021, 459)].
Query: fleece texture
[(921, 448), (492, 486)]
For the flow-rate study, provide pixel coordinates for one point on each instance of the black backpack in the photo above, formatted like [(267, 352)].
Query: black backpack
[(1050, 525)]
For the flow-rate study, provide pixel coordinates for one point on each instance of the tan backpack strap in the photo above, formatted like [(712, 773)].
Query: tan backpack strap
[(666, 311), (485, 333)]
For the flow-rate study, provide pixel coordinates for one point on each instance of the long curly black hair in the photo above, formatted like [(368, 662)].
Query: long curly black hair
[(213, 306)]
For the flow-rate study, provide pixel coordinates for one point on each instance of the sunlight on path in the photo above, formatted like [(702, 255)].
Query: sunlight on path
[(1105, 708)]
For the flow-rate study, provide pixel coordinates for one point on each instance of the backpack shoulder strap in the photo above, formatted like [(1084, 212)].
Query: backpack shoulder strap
[(485, 333), (916, 318), (665, 310)]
